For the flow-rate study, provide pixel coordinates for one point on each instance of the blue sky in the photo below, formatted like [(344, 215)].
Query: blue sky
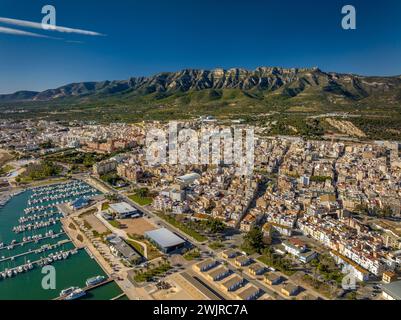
[(144, 37)]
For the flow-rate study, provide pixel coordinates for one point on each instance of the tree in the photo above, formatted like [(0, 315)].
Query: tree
[(213, 225), (143, 192), (111, 197), (362, 209), (254, 240), (47, 145)]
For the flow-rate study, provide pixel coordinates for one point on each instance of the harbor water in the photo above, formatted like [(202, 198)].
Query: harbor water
[(34, 235)]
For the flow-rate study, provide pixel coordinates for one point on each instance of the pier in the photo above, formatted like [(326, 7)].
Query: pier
[(119, 296), (89, 288), (9, 273), (36, 250), (37, 216), (16, 244)]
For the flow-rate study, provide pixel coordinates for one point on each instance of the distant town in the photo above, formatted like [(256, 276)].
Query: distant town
[(317, 219)]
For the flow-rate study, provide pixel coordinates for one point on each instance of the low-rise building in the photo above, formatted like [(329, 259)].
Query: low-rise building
[(256, 269), (294, 247), (206, 265), (360, 273), (389, 277), (242, 261), (123, 210), (123, 250), (233, 283), (188, 179), (165, 240), (79, 204), (218, 274), (290, 290), (250, 292), (273, 278), (229, 254), (307, 256)]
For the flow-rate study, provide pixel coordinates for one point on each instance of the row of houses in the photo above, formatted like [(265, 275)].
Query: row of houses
[(227, 281)]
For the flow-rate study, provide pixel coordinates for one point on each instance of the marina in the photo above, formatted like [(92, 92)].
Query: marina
[(31, 236)]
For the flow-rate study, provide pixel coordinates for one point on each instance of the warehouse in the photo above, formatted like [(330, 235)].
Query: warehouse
[(123, 210), (188, 179), (165, 240)]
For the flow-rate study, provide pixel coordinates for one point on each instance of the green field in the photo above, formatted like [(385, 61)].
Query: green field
[(142, 201), (6, 169), (184, 228)]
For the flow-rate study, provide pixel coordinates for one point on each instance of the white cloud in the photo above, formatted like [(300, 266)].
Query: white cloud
[(36, 25), (17, 32)]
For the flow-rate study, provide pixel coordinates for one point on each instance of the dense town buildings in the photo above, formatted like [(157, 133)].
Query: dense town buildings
[(338, 193)]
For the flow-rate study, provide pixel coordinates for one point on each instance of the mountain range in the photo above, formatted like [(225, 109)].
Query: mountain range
[(260, 84)]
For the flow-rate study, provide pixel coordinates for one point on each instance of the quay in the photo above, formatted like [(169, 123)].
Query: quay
[(119, 296)]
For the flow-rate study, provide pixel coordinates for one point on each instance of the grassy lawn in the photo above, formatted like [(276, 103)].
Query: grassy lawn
[(153, 272), (142, 201), (152, 251), (105, 206), (101, 235), (323, 288), (184, 228), (137, 247), (115, 224), (279, 264)]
